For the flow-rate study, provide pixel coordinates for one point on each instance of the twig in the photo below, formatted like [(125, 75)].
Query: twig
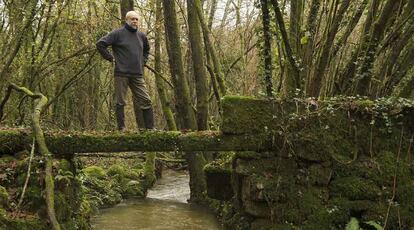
[(409, 148), (28, 175), (159, 75), (394, 186)]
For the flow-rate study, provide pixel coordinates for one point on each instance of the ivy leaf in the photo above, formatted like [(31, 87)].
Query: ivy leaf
[(304, 40)]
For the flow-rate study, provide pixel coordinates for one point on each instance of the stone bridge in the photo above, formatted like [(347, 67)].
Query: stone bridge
[(297, 163)]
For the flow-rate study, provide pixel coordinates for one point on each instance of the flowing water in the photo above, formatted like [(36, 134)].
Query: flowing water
[(165, 207)]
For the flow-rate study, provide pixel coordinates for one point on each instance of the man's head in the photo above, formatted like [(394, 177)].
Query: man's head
[(132, 19)]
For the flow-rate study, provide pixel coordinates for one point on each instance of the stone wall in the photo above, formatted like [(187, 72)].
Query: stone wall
[(332, 161)]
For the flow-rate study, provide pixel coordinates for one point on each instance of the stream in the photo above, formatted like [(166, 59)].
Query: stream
[(165, 207)]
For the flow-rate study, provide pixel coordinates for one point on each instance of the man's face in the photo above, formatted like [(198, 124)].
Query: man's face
[(132, 20)]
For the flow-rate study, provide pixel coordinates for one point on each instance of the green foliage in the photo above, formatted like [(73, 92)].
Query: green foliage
[(354, 224), (4, 197), (117, 169), (95, 171), (64, 177)]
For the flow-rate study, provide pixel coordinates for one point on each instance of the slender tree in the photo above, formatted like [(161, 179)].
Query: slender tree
[(267, 47), (198, 63), (162, 92), (195, 161)]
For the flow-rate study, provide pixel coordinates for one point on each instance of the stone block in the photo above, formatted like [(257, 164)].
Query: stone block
[(219, 184)]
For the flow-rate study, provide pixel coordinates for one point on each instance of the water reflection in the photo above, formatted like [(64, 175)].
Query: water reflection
[(165, 208)]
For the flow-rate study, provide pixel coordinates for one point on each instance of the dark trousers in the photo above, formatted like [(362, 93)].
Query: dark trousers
[(138, 88), (140, 96)]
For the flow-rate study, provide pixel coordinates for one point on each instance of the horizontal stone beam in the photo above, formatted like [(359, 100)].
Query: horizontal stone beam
[(64, 143)]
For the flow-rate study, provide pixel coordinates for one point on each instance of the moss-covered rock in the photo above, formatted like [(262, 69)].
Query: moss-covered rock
[(95, 171), (100, 193), (117, 169)]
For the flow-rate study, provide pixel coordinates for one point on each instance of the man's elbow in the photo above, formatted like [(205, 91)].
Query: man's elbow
[(99, 45)]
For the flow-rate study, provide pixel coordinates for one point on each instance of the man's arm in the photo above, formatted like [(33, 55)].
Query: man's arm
[(103, 43), (146, 48)]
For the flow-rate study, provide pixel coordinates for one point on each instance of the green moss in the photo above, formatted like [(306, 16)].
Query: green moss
[(95, 171), (254, 155), (4, 197), (355, 188), (6, 159), (63, 207), (33, 198), (13, 141), (330, 217), (211, 168), (23, 224), (149, 170), (133, 188), (100, 193), (117, 169), (65, 165), (319, 175)]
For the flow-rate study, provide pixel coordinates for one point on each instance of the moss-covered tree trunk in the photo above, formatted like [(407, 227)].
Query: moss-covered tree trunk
[(267, 47), (162, 93), (364, 72), (195, 161), (311, 29), (348, 73), (41, 101), (218, 73), (197, 54), (290, 82), (317, 80)]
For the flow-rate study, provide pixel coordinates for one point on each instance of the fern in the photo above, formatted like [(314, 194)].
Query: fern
[(353, 224)]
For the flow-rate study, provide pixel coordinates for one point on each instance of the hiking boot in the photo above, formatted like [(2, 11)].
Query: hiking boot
[(148, 115), (120, 117)]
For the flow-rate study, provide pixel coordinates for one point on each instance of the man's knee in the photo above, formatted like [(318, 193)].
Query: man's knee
[(146, 104)]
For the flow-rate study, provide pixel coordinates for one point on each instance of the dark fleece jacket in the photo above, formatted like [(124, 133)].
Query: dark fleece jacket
[(130, 49)]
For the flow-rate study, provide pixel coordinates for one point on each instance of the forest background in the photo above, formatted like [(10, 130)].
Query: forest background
[(266, 48)]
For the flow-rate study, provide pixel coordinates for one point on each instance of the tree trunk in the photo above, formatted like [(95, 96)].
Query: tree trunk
[(195, 161), (198, 63), (364, 73), (291, 82), (311, 30), (213, 54), (267, 48), (345, 79), (212, 13), (126, 5), (162, 94), (324, 57)]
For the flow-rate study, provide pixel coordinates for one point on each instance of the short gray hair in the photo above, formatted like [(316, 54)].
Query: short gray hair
[(130, 13)]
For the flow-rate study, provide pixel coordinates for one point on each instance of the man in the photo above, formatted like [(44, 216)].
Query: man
[(130, 50)]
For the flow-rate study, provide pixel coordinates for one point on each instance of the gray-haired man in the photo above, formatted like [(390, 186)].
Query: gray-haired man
[(130, 52)]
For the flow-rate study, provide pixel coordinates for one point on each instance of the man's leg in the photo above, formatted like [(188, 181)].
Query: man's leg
[(143, 100), (121, 89)]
